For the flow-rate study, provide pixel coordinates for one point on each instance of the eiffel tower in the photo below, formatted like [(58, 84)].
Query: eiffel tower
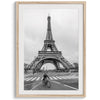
[(49, 53)]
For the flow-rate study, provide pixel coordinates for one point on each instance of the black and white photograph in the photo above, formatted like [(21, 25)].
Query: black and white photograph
[(51, 50)]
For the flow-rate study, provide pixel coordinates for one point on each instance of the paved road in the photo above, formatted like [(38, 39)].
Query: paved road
[(54, 86), (53, 76), (58, 81)]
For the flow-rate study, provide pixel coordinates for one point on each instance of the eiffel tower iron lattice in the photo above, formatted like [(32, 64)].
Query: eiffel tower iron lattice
[(49, 53)]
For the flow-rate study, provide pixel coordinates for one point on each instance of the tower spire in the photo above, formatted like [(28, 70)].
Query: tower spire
[(49, 32)]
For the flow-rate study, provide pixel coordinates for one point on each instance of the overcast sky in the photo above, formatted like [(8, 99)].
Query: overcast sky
[(64, 23)]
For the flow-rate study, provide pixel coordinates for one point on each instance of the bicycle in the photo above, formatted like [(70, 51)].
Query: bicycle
[(46, 83)]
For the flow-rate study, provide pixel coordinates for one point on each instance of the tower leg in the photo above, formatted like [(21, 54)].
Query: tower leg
[(39, 66), (57, 65)]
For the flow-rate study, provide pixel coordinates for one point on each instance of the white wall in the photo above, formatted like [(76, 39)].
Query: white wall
[(7, 50)]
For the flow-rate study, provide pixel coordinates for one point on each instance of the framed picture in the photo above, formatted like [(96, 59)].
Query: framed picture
[(50, 49)]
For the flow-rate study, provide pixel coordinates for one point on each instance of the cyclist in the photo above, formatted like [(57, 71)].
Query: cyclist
[(46, 81)]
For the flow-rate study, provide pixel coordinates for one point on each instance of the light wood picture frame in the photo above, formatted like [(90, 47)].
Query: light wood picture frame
[(26, 10)]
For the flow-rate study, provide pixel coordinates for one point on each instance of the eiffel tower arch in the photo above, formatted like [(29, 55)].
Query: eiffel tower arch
[(49, 53)]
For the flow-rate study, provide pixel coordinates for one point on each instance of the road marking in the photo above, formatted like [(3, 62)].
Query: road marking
[(37, 78), (42, 78), (64, 85), (33, 78), (54, 77), (70, 86), (58, 77), (36, 86), (51, 78), (29, 78)]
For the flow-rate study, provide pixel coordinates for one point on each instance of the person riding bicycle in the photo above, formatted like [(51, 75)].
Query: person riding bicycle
[(46, 81), (45, 76)]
